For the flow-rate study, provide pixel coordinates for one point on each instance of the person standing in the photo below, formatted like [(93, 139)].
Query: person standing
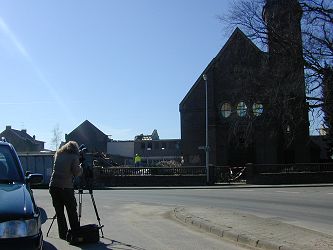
[(66, 166), (137, 160)]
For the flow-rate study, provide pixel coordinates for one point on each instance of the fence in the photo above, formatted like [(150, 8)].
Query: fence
[(149, 176), (152, 171), (190, 175), (289, 173)]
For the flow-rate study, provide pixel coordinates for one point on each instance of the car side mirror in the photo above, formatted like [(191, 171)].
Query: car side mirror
[(34, 178)]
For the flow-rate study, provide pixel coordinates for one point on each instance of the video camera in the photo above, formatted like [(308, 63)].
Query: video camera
[(85, 181), (82, 151)]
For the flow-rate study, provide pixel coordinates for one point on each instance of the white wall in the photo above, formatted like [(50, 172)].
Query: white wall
[(122, 148)]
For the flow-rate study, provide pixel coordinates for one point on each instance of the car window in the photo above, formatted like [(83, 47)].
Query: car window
[(9, 169)]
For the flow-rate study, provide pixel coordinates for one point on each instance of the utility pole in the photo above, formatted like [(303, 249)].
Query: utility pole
[(204, 76)]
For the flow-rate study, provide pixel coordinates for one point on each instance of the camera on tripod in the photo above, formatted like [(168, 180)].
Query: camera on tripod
[(85, 181), (82, 151)]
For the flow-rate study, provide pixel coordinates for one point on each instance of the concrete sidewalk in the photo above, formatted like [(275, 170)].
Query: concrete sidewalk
[(253, 231)]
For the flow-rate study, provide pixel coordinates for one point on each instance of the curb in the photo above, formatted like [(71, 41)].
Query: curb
[(217, 186), (208, 226)]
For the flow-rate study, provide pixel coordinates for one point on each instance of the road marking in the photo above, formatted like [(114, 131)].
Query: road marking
[(288, 192), (329, 193)]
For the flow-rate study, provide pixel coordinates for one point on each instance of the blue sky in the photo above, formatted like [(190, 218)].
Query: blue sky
[(124, 65)]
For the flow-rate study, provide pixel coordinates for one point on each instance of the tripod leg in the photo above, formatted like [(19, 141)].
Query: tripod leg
[(80, 207), (54, 217), (96, 212)]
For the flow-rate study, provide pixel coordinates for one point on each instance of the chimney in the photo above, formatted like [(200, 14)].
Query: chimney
[(8, 127), (24, 130)]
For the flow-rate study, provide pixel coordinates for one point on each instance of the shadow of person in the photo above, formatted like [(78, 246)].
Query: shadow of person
[(104, 243), (48, 246), (120, 245), (108, 243)]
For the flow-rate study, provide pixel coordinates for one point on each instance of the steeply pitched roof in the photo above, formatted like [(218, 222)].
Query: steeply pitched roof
[(22, 134), (87, 125), (237, 34)]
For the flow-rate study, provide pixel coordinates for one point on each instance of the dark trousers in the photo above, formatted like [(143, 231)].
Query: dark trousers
[(64, 197)]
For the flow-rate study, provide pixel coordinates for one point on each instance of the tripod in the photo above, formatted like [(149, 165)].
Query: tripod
[(81, 192)]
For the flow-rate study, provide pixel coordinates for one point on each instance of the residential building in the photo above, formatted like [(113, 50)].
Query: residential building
[(152, 149), (121, 151), (89, 135), (21, 140)]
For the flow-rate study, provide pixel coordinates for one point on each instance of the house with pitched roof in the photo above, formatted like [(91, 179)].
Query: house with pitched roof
[(89, 135), (21, 140)]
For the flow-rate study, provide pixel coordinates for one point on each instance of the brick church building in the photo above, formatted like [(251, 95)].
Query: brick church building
[(257, 110)]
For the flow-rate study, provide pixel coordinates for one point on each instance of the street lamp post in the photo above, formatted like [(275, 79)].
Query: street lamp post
[(204, 76)]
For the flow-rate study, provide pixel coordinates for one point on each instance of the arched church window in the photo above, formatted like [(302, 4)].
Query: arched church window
[(257, 109), (241, 109), (226, 110)]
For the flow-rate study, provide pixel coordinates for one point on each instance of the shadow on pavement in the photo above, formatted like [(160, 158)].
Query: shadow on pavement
[(105, 243), (48, 246), (114, 244)]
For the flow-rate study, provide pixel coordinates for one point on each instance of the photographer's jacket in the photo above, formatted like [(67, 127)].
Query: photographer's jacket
[(66, 165)]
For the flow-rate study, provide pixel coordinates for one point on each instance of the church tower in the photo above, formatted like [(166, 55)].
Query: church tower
[(283, 21), (286, 69)]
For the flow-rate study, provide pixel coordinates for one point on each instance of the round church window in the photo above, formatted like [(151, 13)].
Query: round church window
[(241, 109), (257, 109), (226, 110)]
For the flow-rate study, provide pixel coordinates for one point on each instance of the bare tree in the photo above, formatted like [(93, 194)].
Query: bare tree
[(56, 137), (316, 55)]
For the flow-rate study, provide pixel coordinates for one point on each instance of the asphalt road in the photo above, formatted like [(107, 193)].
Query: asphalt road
[(140, 218), (309, 207)]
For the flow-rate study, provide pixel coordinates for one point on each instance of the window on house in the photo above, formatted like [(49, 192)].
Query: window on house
[(241, 109), (257, 109), (226, 110), (149, 146), (143, 145)]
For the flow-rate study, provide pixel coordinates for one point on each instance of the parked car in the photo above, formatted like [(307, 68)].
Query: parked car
[(20, 218)]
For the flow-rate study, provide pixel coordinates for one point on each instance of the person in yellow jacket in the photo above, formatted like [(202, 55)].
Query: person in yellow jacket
[(137, 160)]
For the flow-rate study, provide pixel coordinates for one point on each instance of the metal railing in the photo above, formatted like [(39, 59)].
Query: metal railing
[(293, 168), (150, 171)]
